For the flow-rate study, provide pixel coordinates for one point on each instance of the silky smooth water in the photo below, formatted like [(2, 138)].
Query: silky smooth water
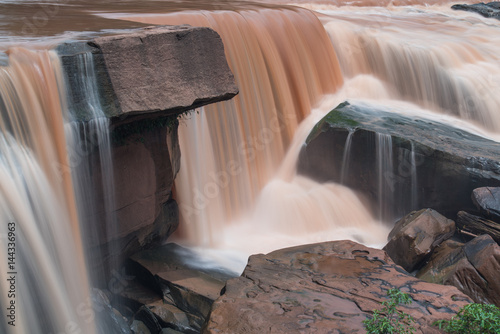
[(237, 190)]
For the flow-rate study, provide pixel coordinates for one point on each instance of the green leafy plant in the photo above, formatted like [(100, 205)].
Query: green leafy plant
[(389, 319), (473, 318)]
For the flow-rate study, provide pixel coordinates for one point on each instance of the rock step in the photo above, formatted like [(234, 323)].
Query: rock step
[(174, 287)]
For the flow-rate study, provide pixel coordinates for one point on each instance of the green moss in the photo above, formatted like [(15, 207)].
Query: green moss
[(337, 117)]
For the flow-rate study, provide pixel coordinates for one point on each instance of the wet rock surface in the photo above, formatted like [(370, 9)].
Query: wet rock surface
[(325, 288), (433, 164), (415, 236), (490, 9), (473, 268)]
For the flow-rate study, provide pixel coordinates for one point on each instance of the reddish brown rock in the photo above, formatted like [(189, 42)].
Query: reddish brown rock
[(168, 69), (416, 235), (473, 268), (324, 288)]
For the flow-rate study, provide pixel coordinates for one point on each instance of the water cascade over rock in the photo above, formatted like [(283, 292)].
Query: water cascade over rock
[(91, 139)]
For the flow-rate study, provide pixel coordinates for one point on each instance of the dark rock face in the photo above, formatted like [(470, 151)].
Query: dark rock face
[(416, 236), (169, 69), (487, 201), (432, 165), (490, 9), (473, 268), (144, 169), (324, 288)]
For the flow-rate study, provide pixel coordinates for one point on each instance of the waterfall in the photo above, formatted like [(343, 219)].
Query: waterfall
[(237, 187), (345, 157), (87, 131), (283, 64), (39, 226), (447, 73)]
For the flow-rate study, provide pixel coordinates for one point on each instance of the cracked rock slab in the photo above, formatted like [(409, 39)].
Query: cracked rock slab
[(324, 288)]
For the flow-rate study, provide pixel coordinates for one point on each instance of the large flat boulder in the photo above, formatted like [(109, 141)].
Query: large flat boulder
[(329, 287), (401, 163), (167, 69)]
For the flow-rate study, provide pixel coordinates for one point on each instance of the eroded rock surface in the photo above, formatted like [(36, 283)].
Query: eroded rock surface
[(415, 236), (324, 288)]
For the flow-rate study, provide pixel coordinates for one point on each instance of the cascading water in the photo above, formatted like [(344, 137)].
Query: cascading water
[(283, 64), (346, 157), (87, 131), (45, 261)]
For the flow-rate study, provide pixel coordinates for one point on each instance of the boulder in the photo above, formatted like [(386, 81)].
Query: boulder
[(474, 226), (162, 69), (328, 287), (415, 236), (400, 163), (473, 268), (490, 9), (487, 201)]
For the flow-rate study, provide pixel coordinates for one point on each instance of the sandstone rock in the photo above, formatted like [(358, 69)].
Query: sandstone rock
[(324, 288), (487, 201), (191, 287), (415, 237), (166, 68), (473, 268), (477, 225), (491, 9), (433, 165)]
